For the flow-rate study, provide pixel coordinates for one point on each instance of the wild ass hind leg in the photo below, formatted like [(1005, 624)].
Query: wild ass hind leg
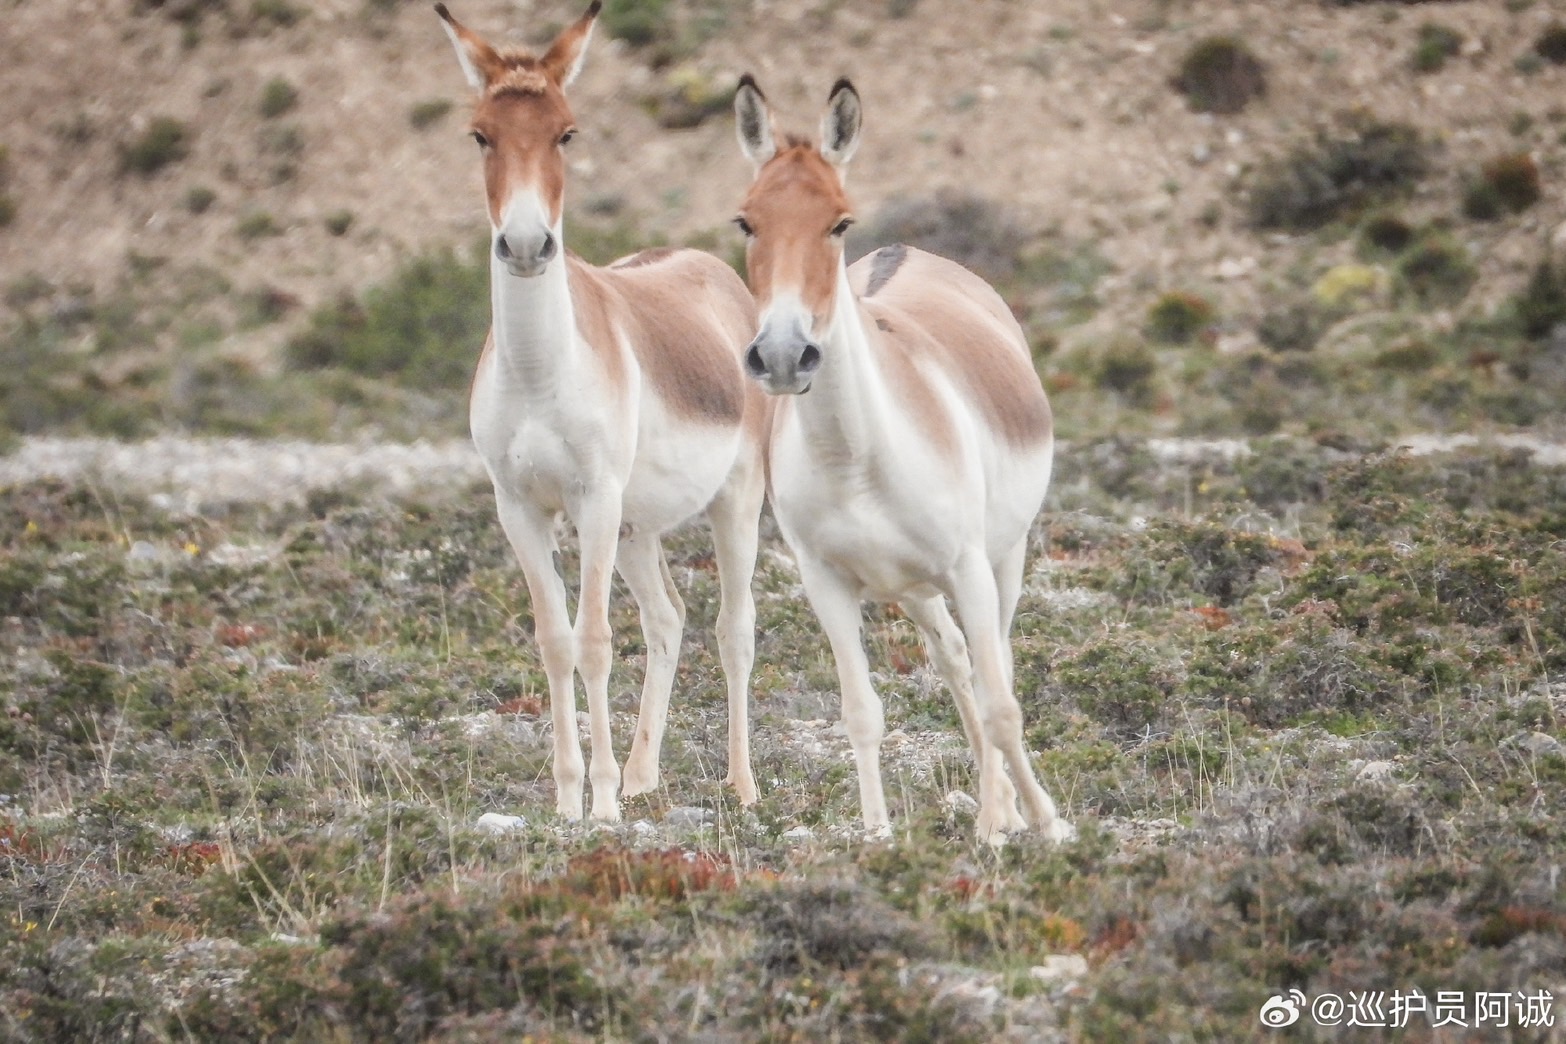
[(944, 641), (646, 572), (837, 607), (532, 538), (598, 529), (978, 606), (735, 516)]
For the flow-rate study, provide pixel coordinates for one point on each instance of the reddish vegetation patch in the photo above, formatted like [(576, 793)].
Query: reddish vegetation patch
[(669, 873), (531, 706)]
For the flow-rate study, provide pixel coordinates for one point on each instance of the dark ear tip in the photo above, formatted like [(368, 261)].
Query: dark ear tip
[(594, 7), (843, 84), (445, 15), (748, 80)]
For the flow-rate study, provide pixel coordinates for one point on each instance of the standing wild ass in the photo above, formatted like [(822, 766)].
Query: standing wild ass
[(909, 455), (613, 396)]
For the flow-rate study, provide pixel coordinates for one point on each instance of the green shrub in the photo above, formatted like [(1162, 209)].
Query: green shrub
[(277, 97), (1367, 162), (258, 224), (1126, 366), (165, 140), (199, 199), (426, 113), (425, 326), (1437, 270), (1293, 327), (1541, 306), (1219, 74), (7, 209), (639, 23), (338, 222), (1435, 45), (1385, 233), (1178, 317)]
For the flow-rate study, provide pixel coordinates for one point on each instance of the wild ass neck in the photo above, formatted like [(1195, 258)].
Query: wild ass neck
[(844, 413), (535, 327)]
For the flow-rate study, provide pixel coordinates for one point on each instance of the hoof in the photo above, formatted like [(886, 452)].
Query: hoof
[(636, 783), (1059, 830), (745, 788)]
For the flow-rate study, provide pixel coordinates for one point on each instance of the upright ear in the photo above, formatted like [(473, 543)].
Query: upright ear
[(754, 122), (563, 60), (840, 124), (480, 63)]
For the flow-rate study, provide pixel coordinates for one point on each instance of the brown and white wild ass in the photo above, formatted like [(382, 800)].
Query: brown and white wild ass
[(614, 396), (910, 452)]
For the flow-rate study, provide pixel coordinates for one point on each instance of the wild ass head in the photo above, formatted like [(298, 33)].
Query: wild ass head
[(522, 122), (794, 218)]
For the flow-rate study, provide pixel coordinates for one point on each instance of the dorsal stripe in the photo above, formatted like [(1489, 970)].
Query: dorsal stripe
[(884, 265)]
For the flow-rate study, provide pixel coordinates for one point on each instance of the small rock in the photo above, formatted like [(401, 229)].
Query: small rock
[(799, 833), (1375, 771), (687, 816), (1539, 744), (496, 823), (1235, 267), (143, 551), (643, 827), (978, 998), (961, 803), (1058, 967)]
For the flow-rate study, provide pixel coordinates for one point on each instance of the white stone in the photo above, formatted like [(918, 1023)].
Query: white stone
[(1058, 967), (497, 823)]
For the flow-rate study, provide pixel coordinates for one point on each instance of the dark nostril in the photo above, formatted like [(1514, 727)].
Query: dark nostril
[(753, 363), (502, 251), (547, 250), (809, 359)]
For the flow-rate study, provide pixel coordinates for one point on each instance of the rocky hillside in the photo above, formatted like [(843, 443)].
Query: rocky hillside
[(289, 152)]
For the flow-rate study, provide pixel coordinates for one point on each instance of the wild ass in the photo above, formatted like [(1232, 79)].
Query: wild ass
[(909, 454), (614, 396)]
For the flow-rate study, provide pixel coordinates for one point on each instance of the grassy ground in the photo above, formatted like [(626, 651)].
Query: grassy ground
[(1304, 706)]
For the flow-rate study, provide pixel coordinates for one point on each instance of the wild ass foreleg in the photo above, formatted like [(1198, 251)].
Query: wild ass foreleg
[(837, 607), (598, 529), (1000, 716), (646, 573), (532, 538), (735, 515), (947, 648)]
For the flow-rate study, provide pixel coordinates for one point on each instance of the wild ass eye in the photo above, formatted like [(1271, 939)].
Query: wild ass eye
[(565, 139), (842, 226), (744, 226), (478, 136)]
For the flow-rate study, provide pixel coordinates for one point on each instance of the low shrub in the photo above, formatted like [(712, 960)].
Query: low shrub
[(1295, 327), (1365, 162), (1179, 317), (1219, 74), (1506, 184), (277, 97), (1437, 270), (1385, 233), (165, 140), (1550, 44), (1435, 44), (424, 327), (1541, 305)]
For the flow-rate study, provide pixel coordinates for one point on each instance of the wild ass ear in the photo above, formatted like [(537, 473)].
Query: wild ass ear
[(754, 122), (480, 63), (840, 124), (563, 60)]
